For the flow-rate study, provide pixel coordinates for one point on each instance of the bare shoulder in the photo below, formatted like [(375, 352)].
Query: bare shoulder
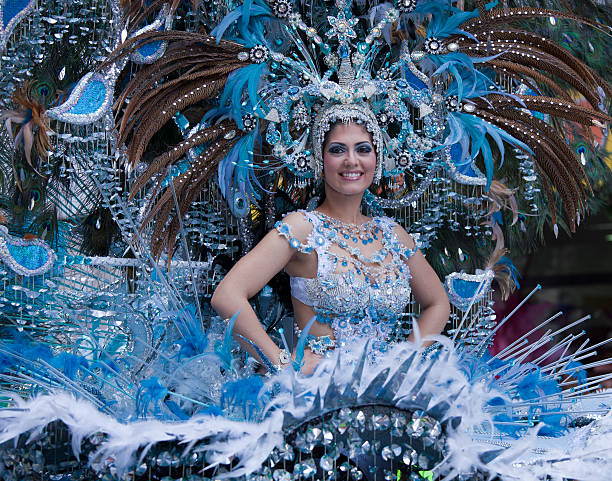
[(406, 239)]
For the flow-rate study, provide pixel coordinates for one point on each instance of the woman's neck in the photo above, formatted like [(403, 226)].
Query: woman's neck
[(345, 208)]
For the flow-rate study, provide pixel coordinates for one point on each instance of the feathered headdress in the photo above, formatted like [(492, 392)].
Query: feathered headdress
[(266, 74)]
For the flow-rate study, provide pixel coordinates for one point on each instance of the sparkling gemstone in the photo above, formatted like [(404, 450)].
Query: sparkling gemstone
[(281, 475), (410, 456), (326, 462), (306, 468), (380, 422), (356, 474), (393, 451), (313, 435), (360, 418)]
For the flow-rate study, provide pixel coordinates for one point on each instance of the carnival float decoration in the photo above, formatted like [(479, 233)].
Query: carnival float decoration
[(148, 145)]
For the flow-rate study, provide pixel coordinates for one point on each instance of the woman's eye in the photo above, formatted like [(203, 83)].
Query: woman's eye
[(336, 149), (364, 149)]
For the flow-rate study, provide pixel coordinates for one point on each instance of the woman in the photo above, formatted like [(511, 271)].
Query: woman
[(353, 272)]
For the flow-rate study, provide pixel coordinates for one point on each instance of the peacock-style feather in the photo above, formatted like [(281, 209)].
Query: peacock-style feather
[(492, 42)]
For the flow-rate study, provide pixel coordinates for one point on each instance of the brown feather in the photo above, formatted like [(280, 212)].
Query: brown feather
[(157, 115), (192, 183), (519, 72), (547, 160), (162, 161), (500, 16)]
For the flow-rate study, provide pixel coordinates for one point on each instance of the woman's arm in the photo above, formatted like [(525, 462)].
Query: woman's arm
[(248, 277), (427, 290)]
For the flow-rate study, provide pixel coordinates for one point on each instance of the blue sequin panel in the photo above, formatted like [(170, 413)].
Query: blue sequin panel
[(465, 289), (31, 257), (91, 99), (12, 8), (150, 49)]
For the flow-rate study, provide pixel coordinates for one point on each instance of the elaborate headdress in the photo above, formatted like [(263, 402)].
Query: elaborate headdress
[(272, 83)]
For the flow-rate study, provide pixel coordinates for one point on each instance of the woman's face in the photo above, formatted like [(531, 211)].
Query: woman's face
[(349, 159)]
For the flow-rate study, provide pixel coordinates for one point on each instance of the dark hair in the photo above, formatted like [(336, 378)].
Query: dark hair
[(333, 125)]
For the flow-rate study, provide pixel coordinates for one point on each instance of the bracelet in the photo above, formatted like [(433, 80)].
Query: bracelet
[(319, 345), (284, 359)]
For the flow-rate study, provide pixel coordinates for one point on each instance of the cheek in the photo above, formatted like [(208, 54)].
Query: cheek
[(330, 163), (370, 163)]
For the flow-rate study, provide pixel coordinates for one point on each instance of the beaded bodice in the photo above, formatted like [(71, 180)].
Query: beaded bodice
[(361, 286)]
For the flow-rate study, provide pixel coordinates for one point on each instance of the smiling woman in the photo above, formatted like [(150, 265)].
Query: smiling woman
[(350, 274), (349, 159)]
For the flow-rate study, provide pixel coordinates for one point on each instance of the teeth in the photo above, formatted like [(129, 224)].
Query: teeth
[(351, 175)]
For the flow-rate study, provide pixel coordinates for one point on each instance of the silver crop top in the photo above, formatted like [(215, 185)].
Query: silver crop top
[(362, 281)]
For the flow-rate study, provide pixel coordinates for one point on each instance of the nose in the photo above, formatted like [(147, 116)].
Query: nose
[(351, 157)]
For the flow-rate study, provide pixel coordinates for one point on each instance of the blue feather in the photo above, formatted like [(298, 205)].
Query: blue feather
[(150, 391), (244, 394), (471, 130), (248, 76), (176, 410), (194, 342), (225, 23), (578, 371), (249, 17), (236, 175), (224, 351), (444, 26), (69, 364), (265, 360), (106, 364), (301, 344)]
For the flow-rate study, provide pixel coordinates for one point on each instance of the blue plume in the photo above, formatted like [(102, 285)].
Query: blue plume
[(436, 8), (247, 77), (471, 131), (25, 348), (578, 371), (443, 26), (176, 410), (106, 364), (249, 18), (462, 67), (243, 393), (69, 364), (301, 345), (150, 391), (194, 341), (6, 361), (224, 351), (236, 174)]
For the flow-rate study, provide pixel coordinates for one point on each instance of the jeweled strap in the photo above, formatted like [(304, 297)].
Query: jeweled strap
[(391, 239), (284, 229)]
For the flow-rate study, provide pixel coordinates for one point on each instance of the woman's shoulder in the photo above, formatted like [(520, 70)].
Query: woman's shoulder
[(395, 228), (295, 225)]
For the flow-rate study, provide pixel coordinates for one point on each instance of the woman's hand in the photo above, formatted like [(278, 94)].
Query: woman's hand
[(309, 362)]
